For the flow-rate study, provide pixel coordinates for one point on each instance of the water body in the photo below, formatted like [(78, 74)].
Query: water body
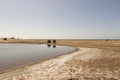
[(14, 55)]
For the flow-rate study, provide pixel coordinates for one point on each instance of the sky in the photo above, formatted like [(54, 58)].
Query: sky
[(60, 19)]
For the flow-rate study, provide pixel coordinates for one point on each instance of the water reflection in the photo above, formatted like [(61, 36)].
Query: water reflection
[(53, 45), (14, 55), (49, 45)]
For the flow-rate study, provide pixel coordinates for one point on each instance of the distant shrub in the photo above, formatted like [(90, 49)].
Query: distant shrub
[(12, 38), (4, 38), (49, 41), (107, 40), (54, 41)]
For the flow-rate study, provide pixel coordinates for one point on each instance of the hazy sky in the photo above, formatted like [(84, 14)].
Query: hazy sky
[(67, 19)]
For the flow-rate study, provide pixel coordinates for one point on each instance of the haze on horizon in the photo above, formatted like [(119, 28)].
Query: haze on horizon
[(60, 19)]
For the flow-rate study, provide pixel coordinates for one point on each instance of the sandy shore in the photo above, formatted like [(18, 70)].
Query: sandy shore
[(94, 60), (84, 64)]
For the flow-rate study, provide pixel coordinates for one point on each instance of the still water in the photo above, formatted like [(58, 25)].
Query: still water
[(14, 55)]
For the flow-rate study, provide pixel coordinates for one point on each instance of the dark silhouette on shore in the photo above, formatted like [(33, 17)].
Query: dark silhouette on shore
[(12, 38), (107, 40), (49, 41), (54, 41), (4, 38)]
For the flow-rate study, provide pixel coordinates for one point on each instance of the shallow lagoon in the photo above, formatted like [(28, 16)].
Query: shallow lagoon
[(14, 55)]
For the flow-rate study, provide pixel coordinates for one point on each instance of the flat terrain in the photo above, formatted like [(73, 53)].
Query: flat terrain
[(94, 60), (111, 45)]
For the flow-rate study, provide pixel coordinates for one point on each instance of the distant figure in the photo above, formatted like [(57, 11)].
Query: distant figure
[(49, 41), (54, 41)]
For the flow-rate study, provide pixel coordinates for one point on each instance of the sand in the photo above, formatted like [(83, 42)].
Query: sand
[(84, 64), (94, 60)]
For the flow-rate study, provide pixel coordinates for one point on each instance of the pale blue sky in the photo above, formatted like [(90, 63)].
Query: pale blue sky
[(69, 19)]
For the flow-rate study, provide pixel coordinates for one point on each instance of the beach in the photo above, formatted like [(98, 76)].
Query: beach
[(60, 40), (93, 60)]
